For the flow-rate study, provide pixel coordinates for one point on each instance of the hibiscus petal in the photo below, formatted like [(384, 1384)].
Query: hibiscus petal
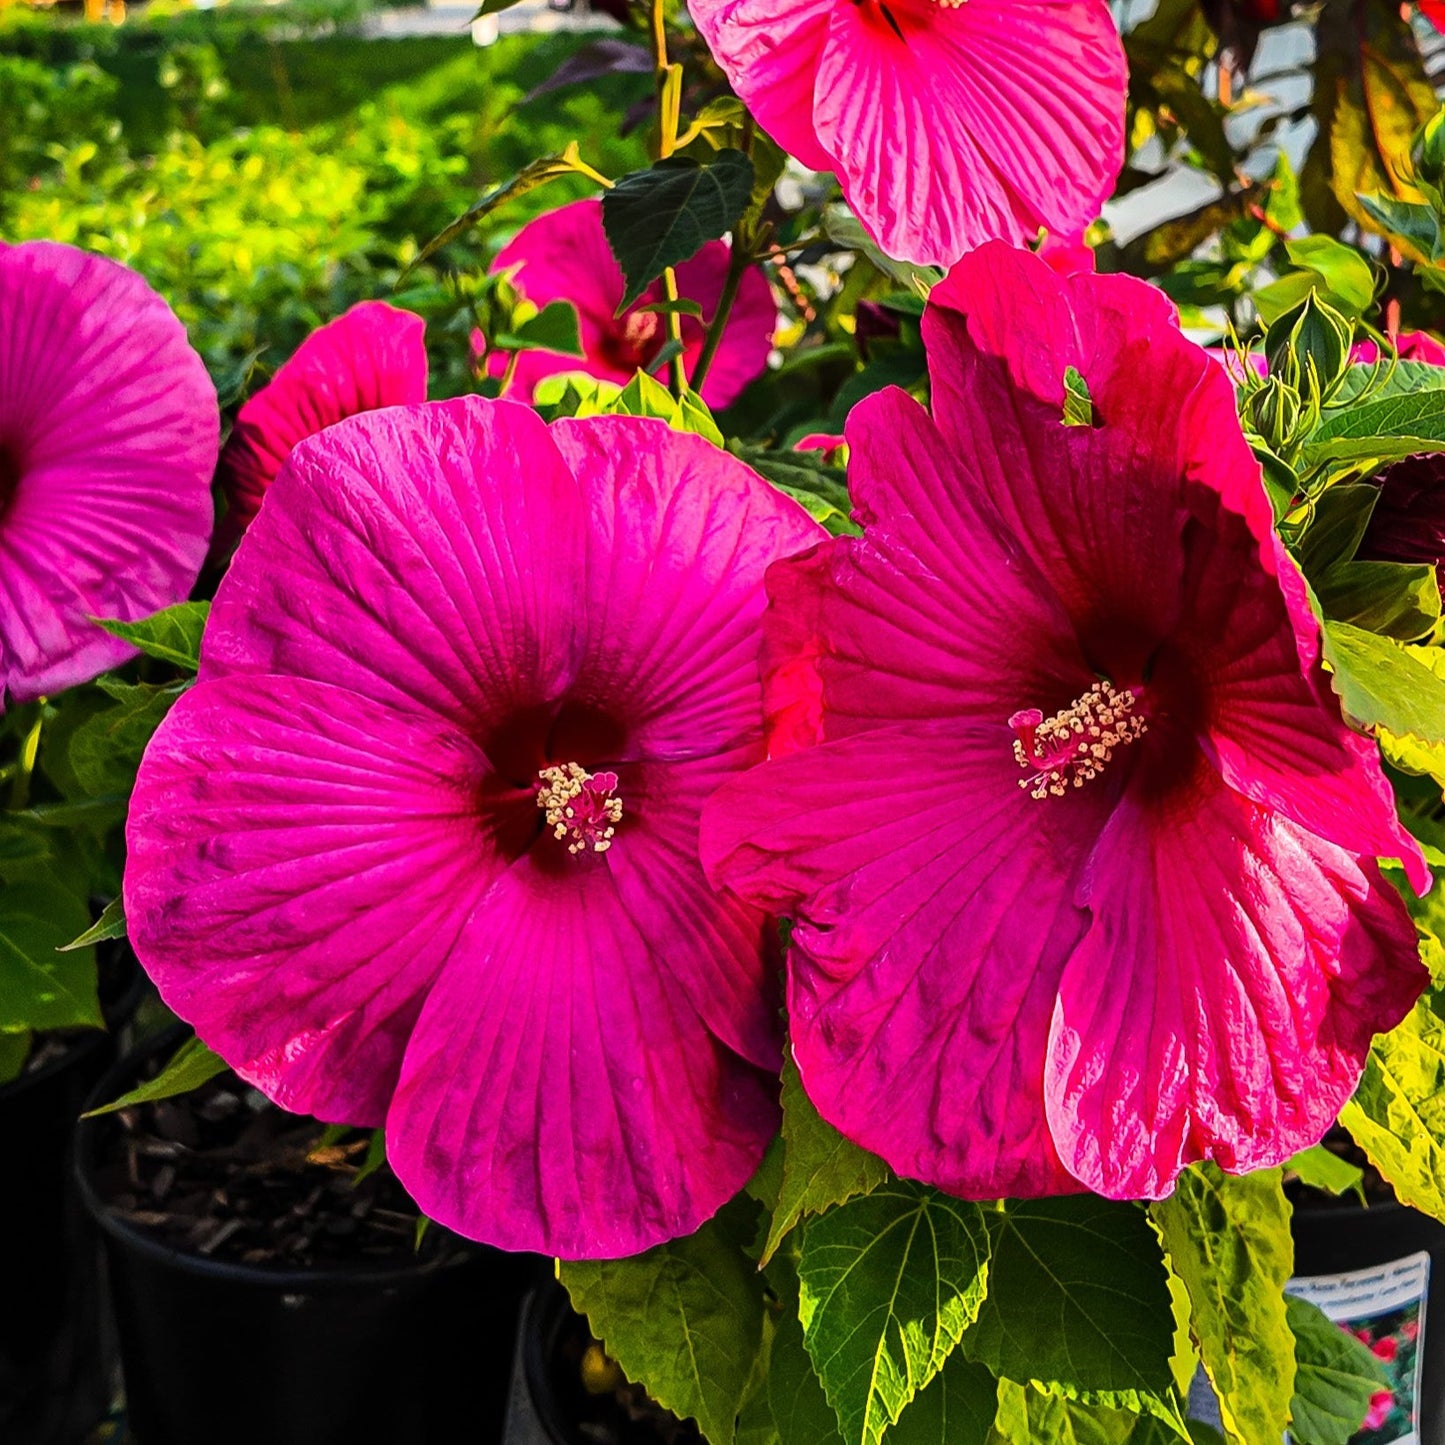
[(868, 628), (559, 1094), (301, 862), (771, 54), (1223, 1001), (933, 914), (373, 356), (950, 126), (427, 558), (108, 437), (747, 339), (682, 535), (723, 954)]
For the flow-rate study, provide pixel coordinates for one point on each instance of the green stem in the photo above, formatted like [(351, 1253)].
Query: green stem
[(737, 265), (666, 144), (29, 751)]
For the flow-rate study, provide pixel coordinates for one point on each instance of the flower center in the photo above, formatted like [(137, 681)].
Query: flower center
[(1070, 748), (580, 807)]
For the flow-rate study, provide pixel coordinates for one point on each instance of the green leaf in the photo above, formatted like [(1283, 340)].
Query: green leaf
[(1322, 1168), (105, 750), (1078, 1300), (1397, 1115), (1028, 1415), (664, 215), (1336, 1376), (1380, 683), (956, 1407), (1228, 1238), (799, 1407), (553, 328), (1346, 273), (192, 1065), (890, 1281), (1398, 425), (1413, 226), (110, 924), (845, 231), (173, 635), (1078, 404), (41, 988), (674, 308), (804, 476), (1388, 376), (685, 1319), (820, 1167), (14, 1050)]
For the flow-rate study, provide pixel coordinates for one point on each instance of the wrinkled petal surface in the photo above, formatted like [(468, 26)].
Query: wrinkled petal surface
[(108, 437)]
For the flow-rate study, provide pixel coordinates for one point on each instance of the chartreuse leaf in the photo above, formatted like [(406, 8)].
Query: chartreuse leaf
[(1335, 1377), (1384, 428), (173, 635), (664, 215), (1028, 1415), (820, 1167), (1078, 404), (1322, 1168), (110, 924), (1078, 1302), (1388, 376), (1228, 1238), (1384, 684), (192, 1065), (889, 1282), (1414, 754), (40, 987), (554, 328), (685, 1319), (1397, 1115)]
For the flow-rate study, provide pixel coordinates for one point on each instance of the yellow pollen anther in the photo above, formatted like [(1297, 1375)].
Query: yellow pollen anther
[(1067, 750), (580, 807)]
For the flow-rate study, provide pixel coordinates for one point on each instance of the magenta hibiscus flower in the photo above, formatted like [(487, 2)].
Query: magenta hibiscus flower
[(421, 845), (563, 256), (948, 122), (373, 356), (108, 437), (1080, 854)]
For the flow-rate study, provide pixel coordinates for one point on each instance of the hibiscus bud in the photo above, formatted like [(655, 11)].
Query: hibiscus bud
[(1309, 348), (1428, 152), (1274, 413)]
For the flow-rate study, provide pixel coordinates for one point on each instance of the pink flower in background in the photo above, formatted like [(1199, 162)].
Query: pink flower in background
[(108, 436), (421, 845), (373, 356), (832, 444), (947, 124), (563, 256), (1409, 346), (1434, 12), (1068, 254), (1381, 1403), (1079, 852)]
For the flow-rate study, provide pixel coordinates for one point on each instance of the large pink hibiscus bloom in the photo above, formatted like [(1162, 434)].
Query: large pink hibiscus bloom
[(563, 256), (421, 846), (372, 356), (108, 437), (947, 123), (1080, 854)]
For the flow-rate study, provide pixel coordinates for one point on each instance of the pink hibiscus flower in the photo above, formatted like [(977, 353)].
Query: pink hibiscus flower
[(1079, 853), (1381, 1403), (108, 436), (421, 845), (563, 256), (947, 123), (1434, 12), (373, 356)]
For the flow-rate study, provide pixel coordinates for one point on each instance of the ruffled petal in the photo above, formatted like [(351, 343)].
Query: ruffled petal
[(373, 356), (302, 861), (933, 911), (934, 612), (952, 126), (771, 54), (682, 534), (1223, 1001), (429, 557), (108, 437), (559, 1094)]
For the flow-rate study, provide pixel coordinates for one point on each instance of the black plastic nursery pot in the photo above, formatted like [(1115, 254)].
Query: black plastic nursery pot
[(55, 1359), (413, 1352), (1379, 1270), (566, 1392)]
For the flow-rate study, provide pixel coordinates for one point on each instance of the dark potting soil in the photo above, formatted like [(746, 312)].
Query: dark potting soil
[(598, 1399), (1339, 1142), (223, 1173)]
